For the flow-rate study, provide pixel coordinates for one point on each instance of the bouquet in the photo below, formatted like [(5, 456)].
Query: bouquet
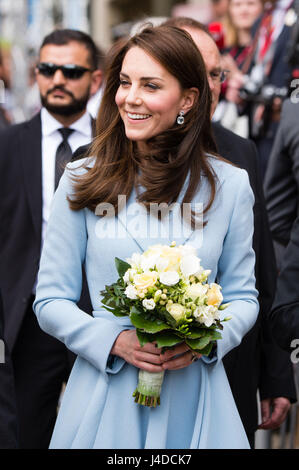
[(165, 293)]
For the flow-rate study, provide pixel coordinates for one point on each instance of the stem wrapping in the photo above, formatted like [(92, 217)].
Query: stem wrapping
[(148, 388)]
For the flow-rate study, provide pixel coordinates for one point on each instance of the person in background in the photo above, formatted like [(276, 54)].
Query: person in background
[(241, 16), (263, 87), (258, 363), (95, 99), (281, 183), (219, 9), (5, 115), (32, 158), (8, 406)]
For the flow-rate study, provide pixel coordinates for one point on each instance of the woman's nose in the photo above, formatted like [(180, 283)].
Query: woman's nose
[(133, 96)]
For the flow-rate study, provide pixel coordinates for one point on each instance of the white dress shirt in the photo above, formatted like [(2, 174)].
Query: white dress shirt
[(51, 138)]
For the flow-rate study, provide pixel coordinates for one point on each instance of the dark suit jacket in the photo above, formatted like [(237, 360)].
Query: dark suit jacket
[(257, 362), (282, 193), (280, 70), (21, 220), (8, 410), (285, 311), (282, 177)]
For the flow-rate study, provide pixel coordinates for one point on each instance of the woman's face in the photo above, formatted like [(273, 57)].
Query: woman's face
[(149, 98), (244, 12)]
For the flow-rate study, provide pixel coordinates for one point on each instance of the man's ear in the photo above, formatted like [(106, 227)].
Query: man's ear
[(189, 99), (96, 81)]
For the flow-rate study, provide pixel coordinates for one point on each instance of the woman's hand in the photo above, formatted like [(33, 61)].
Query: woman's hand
[(150, 357), (128, 347), (178, 357)]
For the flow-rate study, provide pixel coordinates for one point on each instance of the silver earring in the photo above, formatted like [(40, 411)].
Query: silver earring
[(180, 119)]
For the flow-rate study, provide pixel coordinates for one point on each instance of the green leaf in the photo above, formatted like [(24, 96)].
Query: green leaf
[(121, 266), (215, 335), (144, 337), (206, 351), (199, 343), (196, 333), (167, 339), (139, 321), (117, 312)]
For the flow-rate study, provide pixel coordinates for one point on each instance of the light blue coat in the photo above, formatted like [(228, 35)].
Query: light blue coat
[(197, 408)]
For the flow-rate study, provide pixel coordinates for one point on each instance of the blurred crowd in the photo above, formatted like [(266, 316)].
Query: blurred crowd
[(254, 93), (258, 42)]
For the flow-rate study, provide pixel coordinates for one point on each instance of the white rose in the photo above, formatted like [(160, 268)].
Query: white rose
[(131, 292), (197, 290), (148, 262), (145, 280), (169, 278), (188, 250), (214, 295), (149, 304), (126, 277), (189, 265), (135, 260), (161, 264), (206, 315), (177, 311)]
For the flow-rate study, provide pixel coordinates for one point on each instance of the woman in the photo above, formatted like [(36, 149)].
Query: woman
[(240, 45), (152, 145), (242, 14)]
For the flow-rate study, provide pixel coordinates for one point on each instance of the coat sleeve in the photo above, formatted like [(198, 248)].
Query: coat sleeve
[(285, 310), (59, 287), (282, 177), (236, 271)]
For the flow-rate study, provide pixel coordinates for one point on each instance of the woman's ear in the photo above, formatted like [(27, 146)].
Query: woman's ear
[(189, 99)]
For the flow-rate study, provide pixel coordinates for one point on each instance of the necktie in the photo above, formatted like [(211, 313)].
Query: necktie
[(63, 154)]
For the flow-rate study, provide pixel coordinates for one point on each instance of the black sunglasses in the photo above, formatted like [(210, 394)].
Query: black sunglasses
[(70, 71)]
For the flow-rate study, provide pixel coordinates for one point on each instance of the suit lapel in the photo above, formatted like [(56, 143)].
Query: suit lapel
[(32, 168)]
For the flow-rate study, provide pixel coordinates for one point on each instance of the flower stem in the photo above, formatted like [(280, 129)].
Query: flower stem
[(148, 388)]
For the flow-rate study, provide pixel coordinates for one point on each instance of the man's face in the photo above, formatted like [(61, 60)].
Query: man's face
[(212, 60), (61, 95)]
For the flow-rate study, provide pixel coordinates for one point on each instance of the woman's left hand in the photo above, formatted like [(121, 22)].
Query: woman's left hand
[(178, 357)]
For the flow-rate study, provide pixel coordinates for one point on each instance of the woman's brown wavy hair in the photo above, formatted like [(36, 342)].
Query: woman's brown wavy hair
[(178, 152)]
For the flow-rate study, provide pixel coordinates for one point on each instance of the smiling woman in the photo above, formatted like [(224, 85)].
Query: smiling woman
[(149, 98), (144, 152), (148, 86)]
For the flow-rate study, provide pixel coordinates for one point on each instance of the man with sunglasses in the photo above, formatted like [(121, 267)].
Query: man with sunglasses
[(32, 156)]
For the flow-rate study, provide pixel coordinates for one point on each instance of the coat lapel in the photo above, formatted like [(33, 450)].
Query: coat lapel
[(32, 168)]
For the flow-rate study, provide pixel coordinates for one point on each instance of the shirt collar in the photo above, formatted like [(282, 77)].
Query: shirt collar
[(51, 125)]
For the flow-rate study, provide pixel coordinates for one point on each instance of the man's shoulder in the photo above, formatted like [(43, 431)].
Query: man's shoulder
[(227, 136), (15, 129)]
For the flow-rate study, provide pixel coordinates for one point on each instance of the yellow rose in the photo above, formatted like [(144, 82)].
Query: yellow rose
[(145, 280), (214, 295), (173, 255), (177, 311)]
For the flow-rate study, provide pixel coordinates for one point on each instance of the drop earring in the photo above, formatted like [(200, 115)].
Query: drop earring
[(180, 119)]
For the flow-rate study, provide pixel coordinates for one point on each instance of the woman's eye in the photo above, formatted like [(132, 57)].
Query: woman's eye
[(124, 83), (152, 86)]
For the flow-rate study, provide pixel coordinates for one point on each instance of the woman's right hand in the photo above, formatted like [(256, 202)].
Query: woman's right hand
[(148, 357)]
